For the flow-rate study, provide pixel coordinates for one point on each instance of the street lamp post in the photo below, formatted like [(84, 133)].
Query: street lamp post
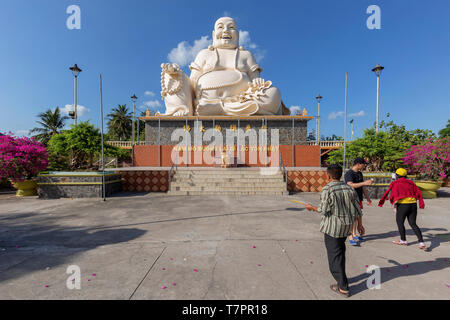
[(318, 98), (377, 71), (134, 98), (351, 122), (75, 71)]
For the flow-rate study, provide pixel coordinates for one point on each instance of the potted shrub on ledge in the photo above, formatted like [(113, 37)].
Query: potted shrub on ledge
[(431, 161), (21, 159)]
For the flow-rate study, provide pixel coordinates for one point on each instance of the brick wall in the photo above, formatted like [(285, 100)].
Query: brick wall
[(305, 156)]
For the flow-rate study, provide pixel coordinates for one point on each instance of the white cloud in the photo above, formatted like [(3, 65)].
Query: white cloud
[(295, 110), (335, 115), (152, 104), (81, 110), (185, 53), (358, 114), (246, 42), (149, 93), (21, 133)]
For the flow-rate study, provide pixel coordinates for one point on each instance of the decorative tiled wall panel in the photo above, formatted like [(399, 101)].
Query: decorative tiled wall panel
[(145, 181)]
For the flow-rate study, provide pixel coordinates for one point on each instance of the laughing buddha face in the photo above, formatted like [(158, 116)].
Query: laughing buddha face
[(225, 34)]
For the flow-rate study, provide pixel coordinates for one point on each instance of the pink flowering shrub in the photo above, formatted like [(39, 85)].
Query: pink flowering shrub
[(21, 158), (430, 160)]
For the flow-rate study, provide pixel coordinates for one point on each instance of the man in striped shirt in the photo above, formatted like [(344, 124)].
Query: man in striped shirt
[(340, 208)]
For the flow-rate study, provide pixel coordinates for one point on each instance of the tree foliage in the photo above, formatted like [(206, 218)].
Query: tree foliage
[(384, 149), (119, 123), (51, 123), (21, 158), (431, 159), (445, 133), (78, 147)]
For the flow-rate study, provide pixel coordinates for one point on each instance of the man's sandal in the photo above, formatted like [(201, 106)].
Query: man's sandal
[(399, 242), (424, 248), (335, 288)]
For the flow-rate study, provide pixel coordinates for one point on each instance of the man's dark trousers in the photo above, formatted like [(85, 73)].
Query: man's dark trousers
[(336, 260)]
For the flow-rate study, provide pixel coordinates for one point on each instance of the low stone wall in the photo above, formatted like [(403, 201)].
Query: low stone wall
[(82, 185)]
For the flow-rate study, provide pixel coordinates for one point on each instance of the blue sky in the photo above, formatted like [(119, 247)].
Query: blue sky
[(304, 47)]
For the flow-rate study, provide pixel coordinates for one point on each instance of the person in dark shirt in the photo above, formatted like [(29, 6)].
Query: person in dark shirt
[(355, 179)]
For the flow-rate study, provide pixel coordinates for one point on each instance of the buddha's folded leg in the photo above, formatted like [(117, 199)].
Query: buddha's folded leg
[(210, 108), (241, 108), (270, 102)]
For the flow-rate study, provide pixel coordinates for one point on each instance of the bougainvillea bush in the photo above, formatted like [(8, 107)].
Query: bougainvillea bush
[(21, 158), (431, 160)]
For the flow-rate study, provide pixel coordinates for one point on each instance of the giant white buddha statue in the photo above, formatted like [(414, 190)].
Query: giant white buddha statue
[(225, 80)]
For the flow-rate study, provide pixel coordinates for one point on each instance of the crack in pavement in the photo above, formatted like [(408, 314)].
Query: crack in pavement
[(212, 272), (298, 271), (147, 273)]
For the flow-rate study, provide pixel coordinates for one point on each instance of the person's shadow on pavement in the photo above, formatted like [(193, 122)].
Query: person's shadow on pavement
[(398, 270), (434, 239)]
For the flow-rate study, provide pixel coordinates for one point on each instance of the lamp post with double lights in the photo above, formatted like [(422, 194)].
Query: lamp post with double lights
[(75, 71), (377, 71), (318, 98)]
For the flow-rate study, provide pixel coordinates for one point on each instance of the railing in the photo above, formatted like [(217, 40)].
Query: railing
[(328, 143), (125, 144), (113, 161), (283, 169)]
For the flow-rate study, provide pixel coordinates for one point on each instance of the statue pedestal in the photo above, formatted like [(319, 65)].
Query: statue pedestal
[(164, 133)]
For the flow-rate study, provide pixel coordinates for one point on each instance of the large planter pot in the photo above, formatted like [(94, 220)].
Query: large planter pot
[(25, 188), (429, 188), (446, 183)]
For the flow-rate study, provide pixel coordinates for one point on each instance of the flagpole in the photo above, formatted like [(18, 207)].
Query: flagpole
[(345, 116), (103, 153)]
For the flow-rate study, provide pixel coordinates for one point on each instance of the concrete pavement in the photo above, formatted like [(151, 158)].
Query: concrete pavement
[(249, 247)]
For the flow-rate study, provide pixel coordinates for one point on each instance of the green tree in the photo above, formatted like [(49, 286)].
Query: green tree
[(51, 123), (119, 123), (445, 133), (311, 136), (332, 138), (78, 147), (383, 149)]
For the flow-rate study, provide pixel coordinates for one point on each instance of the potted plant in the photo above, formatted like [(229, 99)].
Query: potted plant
[(431, 161), (21, 159)]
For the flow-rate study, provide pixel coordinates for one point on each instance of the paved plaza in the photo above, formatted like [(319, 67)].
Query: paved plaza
[(155, 246)]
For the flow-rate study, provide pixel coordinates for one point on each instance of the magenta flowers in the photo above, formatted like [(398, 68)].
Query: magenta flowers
[(21, 158), (431, 160)]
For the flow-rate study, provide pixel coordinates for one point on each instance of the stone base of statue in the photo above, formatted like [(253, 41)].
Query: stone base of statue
[(222, 135)]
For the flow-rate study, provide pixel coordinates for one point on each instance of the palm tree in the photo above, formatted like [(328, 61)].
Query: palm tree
[(119, 123), (51, 123)]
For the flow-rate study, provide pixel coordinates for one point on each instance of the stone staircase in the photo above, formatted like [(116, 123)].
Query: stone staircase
[(226, 181)]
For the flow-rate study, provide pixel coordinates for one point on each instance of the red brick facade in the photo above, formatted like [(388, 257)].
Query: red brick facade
[(147, 156)]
